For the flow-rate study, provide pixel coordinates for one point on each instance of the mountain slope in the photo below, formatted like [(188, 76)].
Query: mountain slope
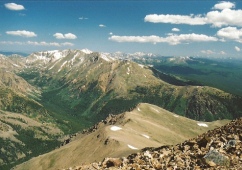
[(90, 85), (24, 121), (19, 136), (120, 135), (74, 89), (216, 149)]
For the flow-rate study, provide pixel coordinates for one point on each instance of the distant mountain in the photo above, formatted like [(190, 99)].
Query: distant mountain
[(121, 135), (14, 53), (92, 85), (224, 74)]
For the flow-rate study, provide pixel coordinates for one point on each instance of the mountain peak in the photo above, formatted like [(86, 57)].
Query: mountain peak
[(87, 51)]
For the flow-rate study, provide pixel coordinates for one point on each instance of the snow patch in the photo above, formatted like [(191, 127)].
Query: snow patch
[(16, 65), (57, 55), (142, 66), (106, 58), (73, 59), (146, 136), (132, 147), (202, 124), (86, 51), (53, 66), (128, 71), (139, 109), (62, 66), (115, 128), (175, 115)]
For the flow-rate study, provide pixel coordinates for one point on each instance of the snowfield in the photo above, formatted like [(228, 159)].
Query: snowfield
[(115, 128), (202, 124), (132, 147)]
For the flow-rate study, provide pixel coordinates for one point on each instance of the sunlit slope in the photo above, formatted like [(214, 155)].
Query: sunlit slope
[(90, 85), (145, 126)]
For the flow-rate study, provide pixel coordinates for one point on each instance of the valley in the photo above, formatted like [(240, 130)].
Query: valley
[(49, 95)]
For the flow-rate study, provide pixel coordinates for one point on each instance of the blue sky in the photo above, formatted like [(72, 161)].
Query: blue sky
[(193, 28)]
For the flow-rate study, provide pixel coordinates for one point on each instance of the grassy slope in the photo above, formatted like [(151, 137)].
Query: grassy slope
[(163, 128), (23, 137)]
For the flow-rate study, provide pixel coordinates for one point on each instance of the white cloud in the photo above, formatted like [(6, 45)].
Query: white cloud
[(222, 53), (208, 52), (221, 15), (110, 33), (101, 25), (172, 39), (224, 5), (36, 43), (43, 43), (176, 19), (83, 18), (175, 29), (65, 36), (14, 7), (11, 43), (226, 17), (22, 33), (211, 52), (67, 44), (237, 48), (231, 33)]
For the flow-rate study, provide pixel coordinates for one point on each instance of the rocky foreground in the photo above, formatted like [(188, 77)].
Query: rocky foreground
[(216, 149)]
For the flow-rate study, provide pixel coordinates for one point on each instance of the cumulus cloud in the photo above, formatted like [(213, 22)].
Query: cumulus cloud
[(171, 39), (222, 14), (176, 19), (22, 33), (231, 33), (110, 33), (65, 36), (224, 5), (175, 29), (237, 48), (101, 25), (226, 17), (14, 7)]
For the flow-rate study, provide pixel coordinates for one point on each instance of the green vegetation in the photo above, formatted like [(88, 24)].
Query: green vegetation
[(222, 74), (86, 90), (13, 153)]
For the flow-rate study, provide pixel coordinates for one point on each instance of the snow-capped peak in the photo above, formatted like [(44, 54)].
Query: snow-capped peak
[(87, 51), (106, 57)]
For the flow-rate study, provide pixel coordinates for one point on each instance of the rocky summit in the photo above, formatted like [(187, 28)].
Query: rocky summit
[(216, 149)]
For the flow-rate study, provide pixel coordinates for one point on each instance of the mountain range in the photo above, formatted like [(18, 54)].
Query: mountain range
[(50, 94)]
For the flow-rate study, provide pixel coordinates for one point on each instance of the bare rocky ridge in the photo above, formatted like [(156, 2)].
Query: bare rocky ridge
[(216, 149)]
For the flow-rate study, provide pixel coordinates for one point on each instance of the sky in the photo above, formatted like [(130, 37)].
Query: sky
[(169, 28)]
